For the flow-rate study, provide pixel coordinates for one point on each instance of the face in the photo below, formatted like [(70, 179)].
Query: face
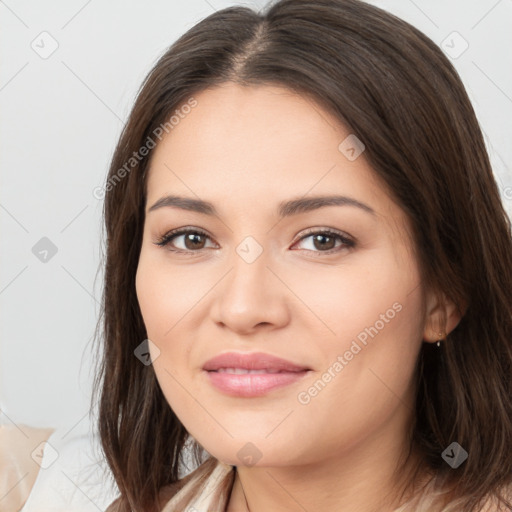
[(332, 287)]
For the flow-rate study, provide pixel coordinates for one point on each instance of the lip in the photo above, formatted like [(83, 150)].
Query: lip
[(274, 372)]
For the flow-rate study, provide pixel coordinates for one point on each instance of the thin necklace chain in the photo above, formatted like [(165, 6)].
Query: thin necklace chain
[(243, 490)]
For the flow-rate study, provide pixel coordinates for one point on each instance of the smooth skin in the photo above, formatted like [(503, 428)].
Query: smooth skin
[(306, 298)]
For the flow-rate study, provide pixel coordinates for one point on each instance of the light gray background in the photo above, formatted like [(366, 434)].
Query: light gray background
[(60, 119)]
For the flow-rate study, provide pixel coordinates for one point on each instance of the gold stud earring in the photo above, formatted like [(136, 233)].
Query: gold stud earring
[(441, 337)]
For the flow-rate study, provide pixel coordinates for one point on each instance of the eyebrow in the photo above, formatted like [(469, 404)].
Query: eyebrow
[(285, 208)]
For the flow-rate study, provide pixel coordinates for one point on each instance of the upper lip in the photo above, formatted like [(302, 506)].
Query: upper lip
[(252, 361)]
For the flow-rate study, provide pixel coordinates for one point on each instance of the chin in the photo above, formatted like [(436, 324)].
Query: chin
[(256, 452)]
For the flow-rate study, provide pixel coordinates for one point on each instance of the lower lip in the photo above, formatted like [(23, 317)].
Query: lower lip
[(253, 384)]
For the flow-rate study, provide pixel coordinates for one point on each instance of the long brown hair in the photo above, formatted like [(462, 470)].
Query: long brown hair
[(395, 89)]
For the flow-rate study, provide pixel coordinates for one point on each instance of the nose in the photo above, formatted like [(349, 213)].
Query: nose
[(251, 297)]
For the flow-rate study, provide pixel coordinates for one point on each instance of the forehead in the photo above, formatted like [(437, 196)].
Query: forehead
[(251, 121), (255, 143)]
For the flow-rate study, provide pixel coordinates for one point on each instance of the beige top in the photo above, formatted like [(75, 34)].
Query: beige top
[(202, 502), (21, 449)]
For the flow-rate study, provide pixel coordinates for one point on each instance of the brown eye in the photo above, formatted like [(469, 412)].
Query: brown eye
[(326, 241), (191, 240)]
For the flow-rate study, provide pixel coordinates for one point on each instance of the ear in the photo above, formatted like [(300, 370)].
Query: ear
[(442, 316)]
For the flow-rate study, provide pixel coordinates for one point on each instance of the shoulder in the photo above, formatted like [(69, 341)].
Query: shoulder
[(206, 487), (195, 491), (21, 450)]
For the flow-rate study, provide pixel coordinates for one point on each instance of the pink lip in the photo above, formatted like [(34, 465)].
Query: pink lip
[(251, 361), (280, 373)]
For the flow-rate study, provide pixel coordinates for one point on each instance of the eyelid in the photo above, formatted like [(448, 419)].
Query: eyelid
[(163, 240), (325, 230), (348, 241)]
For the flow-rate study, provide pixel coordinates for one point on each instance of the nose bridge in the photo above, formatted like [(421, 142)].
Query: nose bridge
[(248, 282), (250, 294)]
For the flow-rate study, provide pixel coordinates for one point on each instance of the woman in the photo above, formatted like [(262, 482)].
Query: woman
[(308, 275)]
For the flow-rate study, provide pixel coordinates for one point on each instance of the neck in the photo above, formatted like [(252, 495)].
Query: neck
[(369, 477)]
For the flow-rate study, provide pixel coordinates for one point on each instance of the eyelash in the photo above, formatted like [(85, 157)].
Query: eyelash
[(166, 239)]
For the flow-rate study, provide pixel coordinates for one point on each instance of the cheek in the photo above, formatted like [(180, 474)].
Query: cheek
[(369, 296), (162, 305), (169, 299), (165, 294), (372, 316), (367, 380), (152, 301)]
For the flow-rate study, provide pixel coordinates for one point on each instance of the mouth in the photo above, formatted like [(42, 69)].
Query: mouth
[(252, 374), (245, 371)]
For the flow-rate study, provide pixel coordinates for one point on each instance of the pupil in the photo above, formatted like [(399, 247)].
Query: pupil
[(192, 237), (325, 246)]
